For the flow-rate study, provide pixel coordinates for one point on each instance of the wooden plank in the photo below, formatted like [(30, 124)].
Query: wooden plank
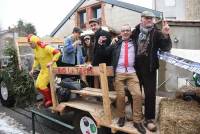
[(53, 88), (105, 91), (92, 89), (83, 70), (96, 92), (18, 55), (97, 111), (112, 94), (128, 127), (23, 41), (84, 105)]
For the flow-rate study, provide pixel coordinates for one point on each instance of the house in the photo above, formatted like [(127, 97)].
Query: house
[(112, 14), (185, 40), (6, 38), (178, 9), (184, 33)]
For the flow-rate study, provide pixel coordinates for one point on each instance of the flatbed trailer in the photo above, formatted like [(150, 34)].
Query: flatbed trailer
[(99, 113)]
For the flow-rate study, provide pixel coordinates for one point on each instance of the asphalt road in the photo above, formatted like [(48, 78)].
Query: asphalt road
[(43, 126)]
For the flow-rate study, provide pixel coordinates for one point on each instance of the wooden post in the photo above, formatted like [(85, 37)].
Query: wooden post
[(105, 91), (18, 55), (53, 88)]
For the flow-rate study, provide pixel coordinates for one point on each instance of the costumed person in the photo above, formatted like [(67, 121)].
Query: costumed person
[(44, 57)]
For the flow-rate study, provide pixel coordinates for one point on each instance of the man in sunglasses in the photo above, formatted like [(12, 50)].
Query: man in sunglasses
[(123, 61)]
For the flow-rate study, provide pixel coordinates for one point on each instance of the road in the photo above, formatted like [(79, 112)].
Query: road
[(18, 121)]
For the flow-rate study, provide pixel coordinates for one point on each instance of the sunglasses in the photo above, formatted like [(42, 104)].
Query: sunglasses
[(125, 30)]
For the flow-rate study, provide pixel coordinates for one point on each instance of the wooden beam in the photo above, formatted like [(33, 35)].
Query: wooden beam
[(94, 92), (18, 55), (105, 91), (22, 41), (94, 71), (53, 88)]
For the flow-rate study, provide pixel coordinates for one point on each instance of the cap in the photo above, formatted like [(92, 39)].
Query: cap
[(77, 30), (94, 20), (147, 14), (86, 37)]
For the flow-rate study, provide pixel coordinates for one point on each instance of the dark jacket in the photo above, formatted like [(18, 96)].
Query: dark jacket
[(115, 50), (100, 55), (157, 43)]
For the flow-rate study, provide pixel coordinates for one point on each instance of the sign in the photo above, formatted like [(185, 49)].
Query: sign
[(94, 71)]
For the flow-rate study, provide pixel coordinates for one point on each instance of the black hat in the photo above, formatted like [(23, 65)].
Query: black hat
[(94, 20), (77, 30)]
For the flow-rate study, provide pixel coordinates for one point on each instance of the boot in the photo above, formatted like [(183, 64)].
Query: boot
[(47, 97), (139, 127), (121, 121)]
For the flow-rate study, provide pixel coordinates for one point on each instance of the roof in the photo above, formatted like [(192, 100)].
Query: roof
[(132, 7), (125, 5)]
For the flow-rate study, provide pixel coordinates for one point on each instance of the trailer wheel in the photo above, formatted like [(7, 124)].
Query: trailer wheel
[(6, 98), (85, 124)]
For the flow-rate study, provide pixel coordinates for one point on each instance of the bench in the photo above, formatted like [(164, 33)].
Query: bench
[(88, 91)]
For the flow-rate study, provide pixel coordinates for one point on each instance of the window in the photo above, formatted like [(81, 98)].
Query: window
[(97, 12), (82, 19), (170, 3)]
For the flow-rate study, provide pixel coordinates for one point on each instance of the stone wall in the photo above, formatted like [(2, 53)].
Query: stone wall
[(193, 9)]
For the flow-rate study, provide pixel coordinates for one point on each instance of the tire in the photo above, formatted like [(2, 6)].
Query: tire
[(6, 98), (85, 124)]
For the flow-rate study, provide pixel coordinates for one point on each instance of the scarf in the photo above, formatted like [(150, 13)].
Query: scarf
[(144, 33), (143, 40)]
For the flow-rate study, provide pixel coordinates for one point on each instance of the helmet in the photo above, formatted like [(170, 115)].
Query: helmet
[(33, 39)]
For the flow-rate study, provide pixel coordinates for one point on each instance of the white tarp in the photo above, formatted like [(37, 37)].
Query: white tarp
[(183, 58), (193, 55)]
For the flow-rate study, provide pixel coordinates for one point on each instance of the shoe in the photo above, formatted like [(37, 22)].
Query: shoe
[(150, 125), (139, 127), (121, 121), (47, 97)]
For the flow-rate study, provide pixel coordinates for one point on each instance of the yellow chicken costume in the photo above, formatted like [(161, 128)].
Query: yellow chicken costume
[(43, 54)]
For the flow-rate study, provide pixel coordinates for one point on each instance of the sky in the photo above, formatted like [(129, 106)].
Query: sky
[(44, 14)]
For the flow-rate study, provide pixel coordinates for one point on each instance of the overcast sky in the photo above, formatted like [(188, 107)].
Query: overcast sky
[(44, 14)]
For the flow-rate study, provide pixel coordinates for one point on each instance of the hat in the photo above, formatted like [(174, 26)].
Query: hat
[(77, 30), (94, 20), (147, 14), (33, 39), (86, 37)]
